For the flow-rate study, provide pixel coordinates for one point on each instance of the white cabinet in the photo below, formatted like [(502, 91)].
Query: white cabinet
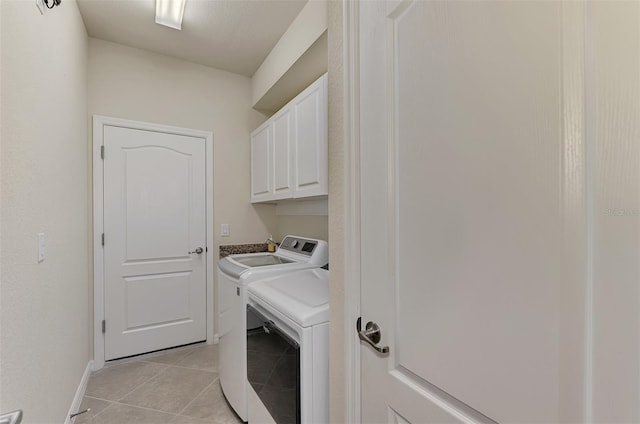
[(283, 132), (311, 165), (271, 153), (289, 152), (261, 164)]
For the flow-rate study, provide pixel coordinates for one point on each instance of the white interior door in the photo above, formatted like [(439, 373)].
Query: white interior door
[(461, 176), (154, 221)]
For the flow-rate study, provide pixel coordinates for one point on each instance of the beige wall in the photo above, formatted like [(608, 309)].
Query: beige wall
[(336, 215), (613, 131), (134, 84), (302, 225), (306, 28), (44, 325)]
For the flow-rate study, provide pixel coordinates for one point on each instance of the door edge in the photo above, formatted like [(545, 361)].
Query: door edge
[(351, 174)]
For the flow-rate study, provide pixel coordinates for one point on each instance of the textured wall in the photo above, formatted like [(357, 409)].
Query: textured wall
[(44, 325), (613, 143), (135, 84), (314, 226), (305, 29), (336, 214)]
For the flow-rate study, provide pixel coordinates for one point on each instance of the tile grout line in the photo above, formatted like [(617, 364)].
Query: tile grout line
[(176, 414), (196, 369), (173, 414), (176, 363), (144, 382), (164, 367), (95, 415), (167, 367), (104, 409), (185, 353), (198, 395), (94, 397), (141, 407)]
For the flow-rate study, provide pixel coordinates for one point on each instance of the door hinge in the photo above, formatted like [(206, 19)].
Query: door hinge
[(102, 239), (104, 326), (102, 152)]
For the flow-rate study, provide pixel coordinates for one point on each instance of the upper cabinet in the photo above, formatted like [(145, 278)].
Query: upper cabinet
[(289, 152), (311, 147), (283, 131), (261, 163)]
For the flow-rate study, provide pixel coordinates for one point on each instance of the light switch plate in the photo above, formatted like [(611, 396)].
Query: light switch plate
[(224, 230)]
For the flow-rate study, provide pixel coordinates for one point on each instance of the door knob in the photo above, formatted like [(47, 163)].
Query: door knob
[(371, 335), (198, 251)]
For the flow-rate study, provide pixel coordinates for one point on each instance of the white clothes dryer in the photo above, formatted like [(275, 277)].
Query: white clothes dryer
[(235, 272), (288, 357)]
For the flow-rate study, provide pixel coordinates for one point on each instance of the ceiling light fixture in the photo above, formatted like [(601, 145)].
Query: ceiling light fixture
[(169, 13)]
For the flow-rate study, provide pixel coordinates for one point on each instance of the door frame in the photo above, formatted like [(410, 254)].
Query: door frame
[(352, 281), (99, 122)]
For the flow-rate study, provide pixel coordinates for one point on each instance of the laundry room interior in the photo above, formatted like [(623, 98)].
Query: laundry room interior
[(229, 68), (319, 211)]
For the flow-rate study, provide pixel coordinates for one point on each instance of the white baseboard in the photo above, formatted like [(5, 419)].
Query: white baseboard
[(82, 387)]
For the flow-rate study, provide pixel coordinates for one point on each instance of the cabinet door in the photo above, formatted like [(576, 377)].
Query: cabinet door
[(310, 164), (261, 180), (282, 155)]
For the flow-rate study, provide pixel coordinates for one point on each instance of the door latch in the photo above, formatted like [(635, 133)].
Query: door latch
[(371, 335)]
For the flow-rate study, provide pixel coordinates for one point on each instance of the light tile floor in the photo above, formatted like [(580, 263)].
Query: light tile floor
[(178, 386)]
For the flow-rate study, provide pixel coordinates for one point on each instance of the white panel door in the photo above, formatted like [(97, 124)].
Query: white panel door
[(461, 179), (261, 171), (154, 216)]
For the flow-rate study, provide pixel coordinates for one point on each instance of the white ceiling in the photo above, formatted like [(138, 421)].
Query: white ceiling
[(233, 35)]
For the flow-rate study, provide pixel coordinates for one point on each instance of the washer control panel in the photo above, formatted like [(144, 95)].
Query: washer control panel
[(303, 249), (299, 245)]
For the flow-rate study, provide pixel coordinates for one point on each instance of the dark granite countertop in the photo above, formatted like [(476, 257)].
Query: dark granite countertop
[(234, 249)]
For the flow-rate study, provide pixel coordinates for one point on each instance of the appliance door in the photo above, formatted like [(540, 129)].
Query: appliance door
[(273, 369)]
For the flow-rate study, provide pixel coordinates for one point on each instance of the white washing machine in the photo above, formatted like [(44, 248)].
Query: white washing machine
[(288, 358), (235, 272)]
